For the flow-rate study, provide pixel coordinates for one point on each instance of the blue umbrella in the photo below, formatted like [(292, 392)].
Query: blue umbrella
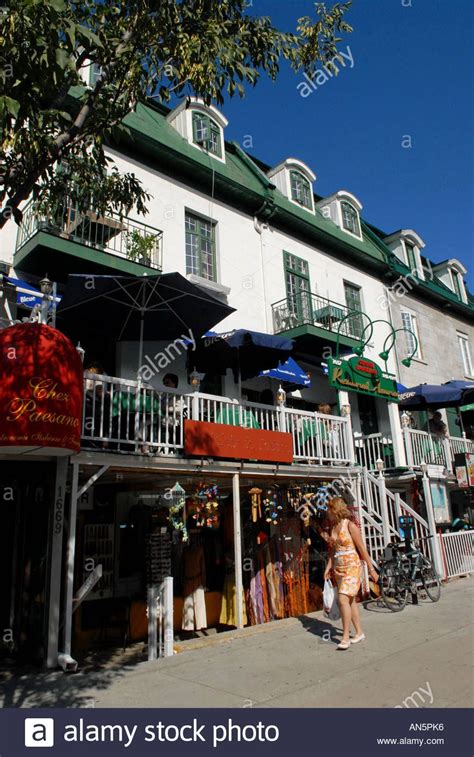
[(290, 372), (436, 396), (245, 352)]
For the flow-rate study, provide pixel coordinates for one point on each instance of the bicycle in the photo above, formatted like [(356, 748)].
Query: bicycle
[(400, 574)]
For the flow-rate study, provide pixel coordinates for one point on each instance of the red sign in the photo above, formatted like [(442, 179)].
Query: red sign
[(220, 440), (367, 366), (40, 391)]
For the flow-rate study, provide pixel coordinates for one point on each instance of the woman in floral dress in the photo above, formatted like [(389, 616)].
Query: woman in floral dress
[(346, 550)]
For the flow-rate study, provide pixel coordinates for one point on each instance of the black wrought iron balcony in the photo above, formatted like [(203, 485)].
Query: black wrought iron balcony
[(307, 309), (111, 233)]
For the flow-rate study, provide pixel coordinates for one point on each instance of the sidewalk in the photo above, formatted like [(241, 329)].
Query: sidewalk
[(419, 657)]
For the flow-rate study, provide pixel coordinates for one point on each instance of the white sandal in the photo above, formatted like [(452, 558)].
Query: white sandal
[(356, 639), (344, 645)]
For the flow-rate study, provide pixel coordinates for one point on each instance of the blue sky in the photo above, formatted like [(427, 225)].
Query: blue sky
[(412, 75)]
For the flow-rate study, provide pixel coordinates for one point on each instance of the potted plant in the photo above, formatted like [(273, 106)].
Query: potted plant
[(140, 246)]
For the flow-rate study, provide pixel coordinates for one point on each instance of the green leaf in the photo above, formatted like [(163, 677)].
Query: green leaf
[(10, 105)]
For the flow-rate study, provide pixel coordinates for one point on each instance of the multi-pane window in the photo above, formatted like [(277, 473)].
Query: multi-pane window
[(206, 133), (200, 247), (353, 301), (411, 258), (413, 346), (457, 284), (350, 218), (465, 351), (298, 289), (301, 189)]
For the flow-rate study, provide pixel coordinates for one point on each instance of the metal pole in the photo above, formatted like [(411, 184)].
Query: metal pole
[(71, 552), (152, 623), (239, 596), (167, 616), (384, 509), (57, 528)]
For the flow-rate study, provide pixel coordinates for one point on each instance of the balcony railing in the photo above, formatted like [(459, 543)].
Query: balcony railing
[(132, 240), (306, 308), (120, 415), (423, 447), (372, 447)]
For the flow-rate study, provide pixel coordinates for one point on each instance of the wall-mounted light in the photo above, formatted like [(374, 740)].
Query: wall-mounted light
[(46, 286), (384, 355), (406, 362), (195, 380), (80, 351), (281, 395), (405, 419)]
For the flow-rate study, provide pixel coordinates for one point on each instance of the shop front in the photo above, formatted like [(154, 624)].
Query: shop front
[(212, 532)]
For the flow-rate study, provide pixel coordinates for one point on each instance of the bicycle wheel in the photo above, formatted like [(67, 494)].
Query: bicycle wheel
[(430, 580), (393, 588)]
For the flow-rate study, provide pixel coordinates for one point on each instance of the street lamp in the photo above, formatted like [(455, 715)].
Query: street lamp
[(46, 287), (195, 380), (281, 396), (352, 314), (385, 352), (80, 351)]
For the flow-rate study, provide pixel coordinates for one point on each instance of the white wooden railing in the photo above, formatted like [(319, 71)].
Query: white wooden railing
[(457, 553), (372, 447), (423, 447), (129, 416), (379, 512)]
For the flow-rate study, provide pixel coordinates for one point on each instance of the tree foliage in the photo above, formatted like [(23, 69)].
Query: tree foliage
[(155, 49)]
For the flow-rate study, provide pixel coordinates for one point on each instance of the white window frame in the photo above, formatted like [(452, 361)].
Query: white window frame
[(413, 326), (465, 350)]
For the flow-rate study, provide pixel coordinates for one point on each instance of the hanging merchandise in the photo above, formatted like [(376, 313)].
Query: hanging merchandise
[(256, 500), (177, 511), (206, 507), (272, 506)]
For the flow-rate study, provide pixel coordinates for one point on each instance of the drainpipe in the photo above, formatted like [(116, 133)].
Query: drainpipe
[(259, 228)]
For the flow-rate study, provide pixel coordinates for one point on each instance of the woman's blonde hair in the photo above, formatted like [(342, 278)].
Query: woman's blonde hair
[(338, 510)]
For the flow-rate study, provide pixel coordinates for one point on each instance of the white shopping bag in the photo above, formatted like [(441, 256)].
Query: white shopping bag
[(331, 607)]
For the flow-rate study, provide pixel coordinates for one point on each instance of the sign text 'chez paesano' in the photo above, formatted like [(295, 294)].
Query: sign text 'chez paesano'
[(40, 391), (358, 374)]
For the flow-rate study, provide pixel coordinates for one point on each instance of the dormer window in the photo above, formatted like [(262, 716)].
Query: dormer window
[(301, 189), (412, 262), (350, 218), (294, 179), (201, 125), (206, 133), (458, 284)]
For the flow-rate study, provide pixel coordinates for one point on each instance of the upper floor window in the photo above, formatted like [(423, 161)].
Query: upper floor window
[(301, 189), (458, 284), (200, 247), (412, 262), (464, 348), (410, 322), (206, 133), (350, 218)]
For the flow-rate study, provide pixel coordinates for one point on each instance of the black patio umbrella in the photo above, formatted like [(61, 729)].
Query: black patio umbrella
[(158, 307), (245, 352)]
